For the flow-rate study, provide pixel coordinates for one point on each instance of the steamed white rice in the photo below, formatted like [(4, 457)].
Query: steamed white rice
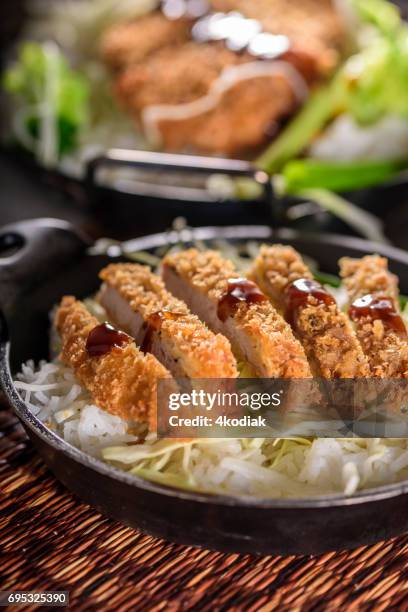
[(259, 467)]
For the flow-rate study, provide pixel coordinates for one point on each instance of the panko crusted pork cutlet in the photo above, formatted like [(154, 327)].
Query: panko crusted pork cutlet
[(238, 114), (236, 307), (324, 330), (193, 90), (120, 378), (204, 96), (137, 300), (374, 309)]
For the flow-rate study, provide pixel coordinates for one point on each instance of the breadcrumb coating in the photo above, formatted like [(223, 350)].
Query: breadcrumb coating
[(324, 330), (368, 275), (257, 332), (200, 352), (170, 77), (386, 349), (207, 271), (133, 41), (123, 381), (275, 268)]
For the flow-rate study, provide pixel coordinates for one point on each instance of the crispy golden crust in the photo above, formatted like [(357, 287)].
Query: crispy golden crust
[(232, 126), (203, 353), (186, 73), (277, 267), (143, 290), (330, 342), (123, 382), (279, 354), (207, 271), (324, 330), (174, 76), (131, 42), (386, 350), (369, 274)]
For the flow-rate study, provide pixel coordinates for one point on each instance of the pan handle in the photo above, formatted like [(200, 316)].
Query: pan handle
[(149, 160), (32, 250)]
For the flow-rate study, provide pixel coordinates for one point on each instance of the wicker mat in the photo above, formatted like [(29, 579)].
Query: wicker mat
[(51, 541)]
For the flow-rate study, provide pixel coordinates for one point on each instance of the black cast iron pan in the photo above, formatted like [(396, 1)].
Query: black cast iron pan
[(41, 260), (164, 186)]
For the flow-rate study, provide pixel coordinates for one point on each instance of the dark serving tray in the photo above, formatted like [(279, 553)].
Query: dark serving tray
[(33, 279), (158, 196)]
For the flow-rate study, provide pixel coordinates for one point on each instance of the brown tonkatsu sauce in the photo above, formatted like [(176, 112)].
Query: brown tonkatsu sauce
[(103, 338), (239, 291), (378, 308), (153, 324), (298, 294)]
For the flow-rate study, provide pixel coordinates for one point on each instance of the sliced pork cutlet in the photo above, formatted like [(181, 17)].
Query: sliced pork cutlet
[(120, 378), (200, 94), (207, 97), (236, 307), (239, 114), (133, 41), (374, 309), (324, 330), (137, 301)]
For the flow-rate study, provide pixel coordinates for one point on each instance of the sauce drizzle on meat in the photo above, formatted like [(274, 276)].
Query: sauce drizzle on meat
[(298, 293), (378, 308), (154, 323), (237, 32), (103, 338), (239, 290), (240, 34)]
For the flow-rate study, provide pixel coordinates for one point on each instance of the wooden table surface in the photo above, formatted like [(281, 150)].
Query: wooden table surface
[(51, 540)]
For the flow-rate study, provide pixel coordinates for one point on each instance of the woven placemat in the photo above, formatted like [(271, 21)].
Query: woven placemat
[(49, 540)]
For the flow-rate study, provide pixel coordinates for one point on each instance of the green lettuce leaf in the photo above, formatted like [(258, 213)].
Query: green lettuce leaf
[(53, 100), (369, 85)]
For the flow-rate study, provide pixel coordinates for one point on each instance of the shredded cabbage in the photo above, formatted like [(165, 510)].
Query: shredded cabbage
[(172, 462)]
